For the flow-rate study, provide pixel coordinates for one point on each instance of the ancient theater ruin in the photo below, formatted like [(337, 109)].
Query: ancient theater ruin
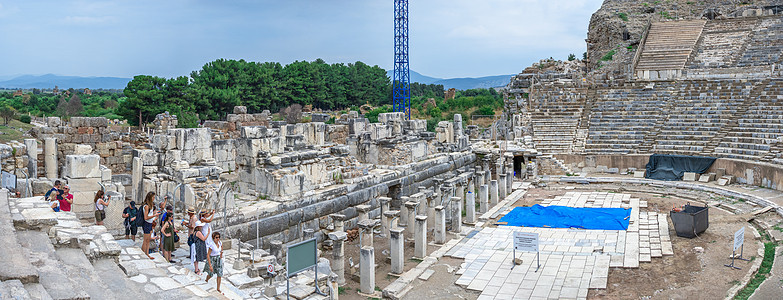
[(577, 191)]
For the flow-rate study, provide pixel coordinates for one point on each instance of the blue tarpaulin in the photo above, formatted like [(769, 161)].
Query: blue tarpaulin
[(569, 217)]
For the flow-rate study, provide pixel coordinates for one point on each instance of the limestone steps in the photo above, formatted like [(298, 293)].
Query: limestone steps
[(669, 45)]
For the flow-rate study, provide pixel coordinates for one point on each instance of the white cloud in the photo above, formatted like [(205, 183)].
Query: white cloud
[(88, 20)]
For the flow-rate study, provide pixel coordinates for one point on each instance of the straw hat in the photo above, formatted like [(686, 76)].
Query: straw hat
[(191, 210)]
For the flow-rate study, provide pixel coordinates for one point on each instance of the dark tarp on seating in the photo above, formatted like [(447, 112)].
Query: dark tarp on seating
[(672, 167), (555, 216)]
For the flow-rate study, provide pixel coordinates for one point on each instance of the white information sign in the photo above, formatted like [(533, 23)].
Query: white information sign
[(739, 238), (526, 241)]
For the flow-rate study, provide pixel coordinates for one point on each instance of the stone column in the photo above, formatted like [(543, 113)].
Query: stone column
[(471, 184), (510, 182), (276, 249), (480, 178), (364, 212), (308, 233), (338, 254), (367, 270), (470, 208), (32, 158), (50, 158), (498, 169), (483, 198), (420, 247), (456, 214), (431, 203), (365, 229), (410, 208), (493, 193), (388, 217), (440, 224), (396, 242), (137, 182), (339, 221), (461, 191), (502, 187), (404, 212), (385, 204)]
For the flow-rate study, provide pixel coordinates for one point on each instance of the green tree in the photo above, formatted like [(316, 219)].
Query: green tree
[(571, 57), (7, 113)]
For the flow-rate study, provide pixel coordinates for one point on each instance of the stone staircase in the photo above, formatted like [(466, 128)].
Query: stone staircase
[(697, 113), (621, 118), (721, 43), (765, 43), (732, 123), (555, 109), (669, 45), (52, 255), (759, 127)]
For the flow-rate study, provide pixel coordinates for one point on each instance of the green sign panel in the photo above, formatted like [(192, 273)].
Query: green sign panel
[(301, 256)]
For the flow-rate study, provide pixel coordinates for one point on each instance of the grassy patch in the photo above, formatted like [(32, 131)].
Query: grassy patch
[(761, 275), (416, 260), (623, 16), (341, 290), (11, 131)]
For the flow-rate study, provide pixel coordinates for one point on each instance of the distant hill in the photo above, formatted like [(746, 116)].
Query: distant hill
[(48, 81), (460, 83)]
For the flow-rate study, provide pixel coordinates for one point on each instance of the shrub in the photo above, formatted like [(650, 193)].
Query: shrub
[(484, 111), (623, 16), (608, 55), (25, 119)]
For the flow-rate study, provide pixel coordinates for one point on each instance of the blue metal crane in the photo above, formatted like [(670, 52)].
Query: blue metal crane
[(401, 90)]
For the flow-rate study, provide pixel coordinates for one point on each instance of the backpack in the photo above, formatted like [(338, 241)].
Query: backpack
[(140, 217)]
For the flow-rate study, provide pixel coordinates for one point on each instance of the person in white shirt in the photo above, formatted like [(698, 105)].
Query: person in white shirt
[(215, 261)]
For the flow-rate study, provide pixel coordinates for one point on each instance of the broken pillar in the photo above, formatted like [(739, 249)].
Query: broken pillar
[(410, 208), (493, 193), (338, 254), (396, 242), (470, 208), (137, 180), (50, 158), (308, 233), (479, 178), (276, 249), (510, 181), (367, 270), (456, 214), (502, 187), (471, 184), (483, 198), (440, 224), (388, 218), (339, 221), (364, 212), (404, 212), (420, 246), (32, 157), (365, 229), (461, 191), (385, 204)]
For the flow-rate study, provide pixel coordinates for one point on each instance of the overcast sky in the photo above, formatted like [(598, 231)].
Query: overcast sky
[(448, 38)]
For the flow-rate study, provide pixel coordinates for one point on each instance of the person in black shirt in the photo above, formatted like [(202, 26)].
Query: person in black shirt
[(129, 213)]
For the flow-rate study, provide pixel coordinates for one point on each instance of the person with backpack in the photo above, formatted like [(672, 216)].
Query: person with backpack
[(131, 227), (54, 195)]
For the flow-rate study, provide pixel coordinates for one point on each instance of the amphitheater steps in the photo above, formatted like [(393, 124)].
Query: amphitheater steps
[(669, 45), (733, 123)]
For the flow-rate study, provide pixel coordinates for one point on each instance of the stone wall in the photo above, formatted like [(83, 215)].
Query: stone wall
[(287, 221)]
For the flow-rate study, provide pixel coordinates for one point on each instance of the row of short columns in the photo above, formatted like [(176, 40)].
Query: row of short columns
[(443, 204)]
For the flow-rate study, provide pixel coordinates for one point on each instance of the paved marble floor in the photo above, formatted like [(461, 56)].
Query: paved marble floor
[(571, 260)]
